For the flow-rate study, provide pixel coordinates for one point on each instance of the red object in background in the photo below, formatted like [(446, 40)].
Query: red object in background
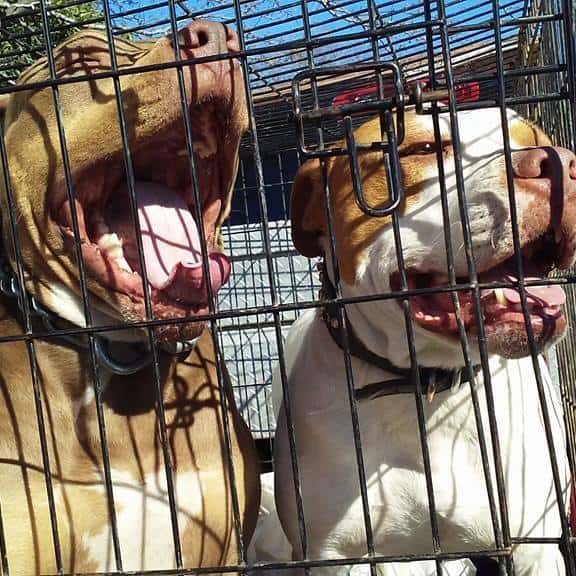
[(362, 95), (465, 92)]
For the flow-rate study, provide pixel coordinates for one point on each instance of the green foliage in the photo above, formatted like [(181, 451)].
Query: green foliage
[(22, 38)]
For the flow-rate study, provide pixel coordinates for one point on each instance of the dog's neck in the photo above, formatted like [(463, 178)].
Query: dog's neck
[(403, 380), (123, 358)]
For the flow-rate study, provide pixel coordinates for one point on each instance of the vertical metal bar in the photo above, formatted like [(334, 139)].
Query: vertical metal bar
[(22, 299), (129, 171), (467, 237), (568, 10), (277, 325), (211, 301), (23, 302), (83, 287), (564, 354), (393, 177), (82, 278), (571, 565), (242, 189), (84, 292), (342, 318), (257, 155), (455, 301), (45, 454), (345, 330), (287, 404), (30, 343), (3, 553)]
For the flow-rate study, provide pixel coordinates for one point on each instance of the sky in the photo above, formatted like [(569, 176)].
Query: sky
[(286, 15), (273, 24)]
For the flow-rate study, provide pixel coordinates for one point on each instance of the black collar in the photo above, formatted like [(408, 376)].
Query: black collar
[(433, 380), (125, 359)]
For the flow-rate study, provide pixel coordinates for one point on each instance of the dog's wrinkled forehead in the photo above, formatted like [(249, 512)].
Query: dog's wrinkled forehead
[(81, 55), (481, 132), (85, 52), (480, 142)]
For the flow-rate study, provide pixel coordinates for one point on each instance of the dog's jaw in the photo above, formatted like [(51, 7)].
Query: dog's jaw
[(167, 216)]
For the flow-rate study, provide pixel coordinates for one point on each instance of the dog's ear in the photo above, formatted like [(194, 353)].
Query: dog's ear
[(542, 139), (307, 210)]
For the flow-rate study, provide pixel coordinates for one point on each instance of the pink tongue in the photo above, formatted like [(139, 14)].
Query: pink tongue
[(171, 245), (549, 295)]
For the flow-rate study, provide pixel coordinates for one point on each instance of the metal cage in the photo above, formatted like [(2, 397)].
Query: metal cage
[(389, 55)]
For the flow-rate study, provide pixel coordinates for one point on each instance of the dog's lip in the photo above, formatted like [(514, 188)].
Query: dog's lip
[(129, 283), (170, 241), (500, 304)]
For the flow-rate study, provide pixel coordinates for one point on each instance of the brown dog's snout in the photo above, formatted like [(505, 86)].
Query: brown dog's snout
[(205, 38)]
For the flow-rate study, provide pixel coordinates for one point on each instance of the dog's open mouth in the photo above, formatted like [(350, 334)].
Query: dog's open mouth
[(166, 213), (501, 307)]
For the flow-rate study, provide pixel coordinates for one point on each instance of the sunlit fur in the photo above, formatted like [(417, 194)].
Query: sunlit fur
[(190, 389)]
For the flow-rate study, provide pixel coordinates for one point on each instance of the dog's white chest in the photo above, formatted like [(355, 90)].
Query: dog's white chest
[(391, 446), (144, 522)]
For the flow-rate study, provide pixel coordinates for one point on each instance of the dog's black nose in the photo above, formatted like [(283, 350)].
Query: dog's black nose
[(205, 38)]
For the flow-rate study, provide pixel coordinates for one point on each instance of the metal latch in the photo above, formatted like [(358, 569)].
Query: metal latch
[(390, 103)]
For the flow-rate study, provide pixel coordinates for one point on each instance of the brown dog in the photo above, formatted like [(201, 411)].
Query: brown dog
[(171, 254)]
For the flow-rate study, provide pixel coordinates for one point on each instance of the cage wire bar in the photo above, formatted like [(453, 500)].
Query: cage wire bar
[(512, 53), (456, 303)]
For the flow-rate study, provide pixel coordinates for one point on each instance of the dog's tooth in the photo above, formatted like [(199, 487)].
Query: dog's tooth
[(108, 242), (115, 252), (182, 152), (111, 245), (500, 297)]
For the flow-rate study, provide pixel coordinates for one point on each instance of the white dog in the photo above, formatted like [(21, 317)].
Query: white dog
[(545, 199)]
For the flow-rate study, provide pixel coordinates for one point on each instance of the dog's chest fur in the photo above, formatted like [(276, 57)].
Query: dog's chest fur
[(396, 483)]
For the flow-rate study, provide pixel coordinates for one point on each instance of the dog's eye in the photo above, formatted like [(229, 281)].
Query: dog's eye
[(425, 148), (420, 149)]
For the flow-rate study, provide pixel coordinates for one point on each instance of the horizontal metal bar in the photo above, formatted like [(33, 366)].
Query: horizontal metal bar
[(263, 310), (352, 561), (299, 44), (373, 106)]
